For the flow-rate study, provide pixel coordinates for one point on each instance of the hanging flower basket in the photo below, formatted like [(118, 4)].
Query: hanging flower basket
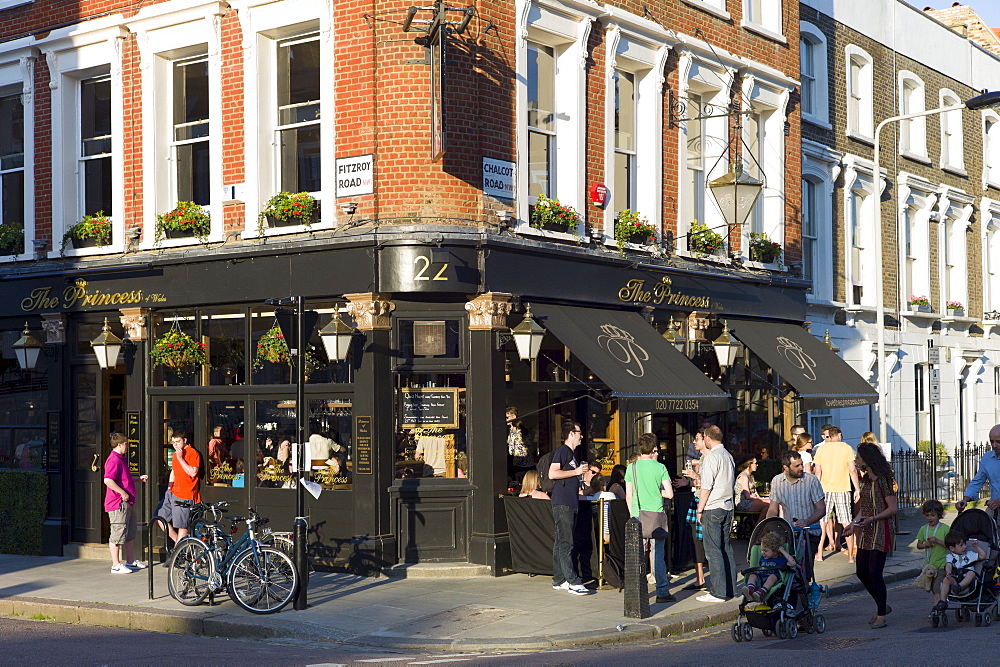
[(175, 349), (271, 347)]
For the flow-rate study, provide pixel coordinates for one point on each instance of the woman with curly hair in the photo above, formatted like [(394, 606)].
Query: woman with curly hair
[(873, 525)]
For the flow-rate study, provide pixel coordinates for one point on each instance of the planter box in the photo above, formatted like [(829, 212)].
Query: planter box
[(640, 239), (754, 257), (272, 221), (919, 308), (10, 250), (177, 234), (86, 243), (956, 312)]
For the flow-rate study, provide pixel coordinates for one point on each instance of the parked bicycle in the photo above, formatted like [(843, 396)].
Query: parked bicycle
[(261, 579)]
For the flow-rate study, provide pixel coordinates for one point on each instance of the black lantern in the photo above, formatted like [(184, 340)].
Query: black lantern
[(336, 337), (27, 348), (528, 336), (106, 347)]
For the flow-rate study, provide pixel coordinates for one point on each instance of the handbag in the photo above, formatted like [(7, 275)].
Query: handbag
[(654, 524)]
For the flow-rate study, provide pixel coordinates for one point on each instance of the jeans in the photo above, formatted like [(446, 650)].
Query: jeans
[(564, 517), (660, 567), (717, 525)]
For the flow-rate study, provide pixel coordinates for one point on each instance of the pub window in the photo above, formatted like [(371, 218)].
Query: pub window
[(171, 418), (223, 330), (225, 452), (95, 145), (166, 375), (23, 404), (298, 98), (330, 458), (191, 138), (430, 426), (12, 162)]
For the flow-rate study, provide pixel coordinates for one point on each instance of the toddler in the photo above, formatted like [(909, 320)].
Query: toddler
[(931, 537), (959, 565), (772, 556)]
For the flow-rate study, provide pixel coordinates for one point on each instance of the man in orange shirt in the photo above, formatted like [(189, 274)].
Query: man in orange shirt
[(183, 485)]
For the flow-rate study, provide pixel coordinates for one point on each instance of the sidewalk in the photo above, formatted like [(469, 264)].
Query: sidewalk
[(515, 611)]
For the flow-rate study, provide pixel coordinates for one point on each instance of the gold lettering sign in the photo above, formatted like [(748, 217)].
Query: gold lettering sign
[(661, 293), (75, 295)]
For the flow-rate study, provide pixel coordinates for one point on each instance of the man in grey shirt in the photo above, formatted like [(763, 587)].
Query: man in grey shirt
[(715, 512)]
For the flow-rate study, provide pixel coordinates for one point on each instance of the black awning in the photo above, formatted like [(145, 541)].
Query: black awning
[(821, 378), (644, 371)]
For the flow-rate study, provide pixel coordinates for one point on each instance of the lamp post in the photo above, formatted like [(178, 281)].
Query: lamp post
[(984, 101)]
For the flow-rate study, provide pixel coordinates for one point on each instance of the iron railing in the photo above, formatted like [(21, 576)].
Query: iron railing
[(921, 478)]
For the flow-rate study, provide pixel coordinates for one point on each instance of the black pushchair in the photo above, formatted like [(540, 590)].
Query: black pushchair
[(982, 596), (793, 601)]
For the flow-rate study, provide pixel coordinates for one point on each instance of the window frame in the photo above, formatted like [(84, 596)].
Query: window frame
[(952, 134), (819, 113), (912, 95), (265, 24), (860, 120), (770, 20), (990, 217), (956, 207), (859, 186), (916, 199), (991, 149), (820, 165)]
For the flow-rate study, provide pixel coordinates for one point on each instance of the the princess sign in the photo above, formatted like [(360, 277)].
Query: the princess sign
[(499, 177), (355, 176)]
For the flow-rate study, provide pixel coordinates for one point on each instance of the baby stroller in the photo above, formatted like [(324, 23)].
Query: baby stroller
[(981, 597), (792, 601)]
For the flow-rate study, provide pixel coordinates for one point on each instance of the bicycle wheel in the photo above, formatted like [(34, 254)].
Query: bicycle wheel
[(287, 545), (188, 571), (263, 582)]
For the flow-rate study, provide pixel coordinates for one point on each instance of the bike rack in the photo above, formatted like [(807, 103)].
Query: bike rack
[(161, 522)]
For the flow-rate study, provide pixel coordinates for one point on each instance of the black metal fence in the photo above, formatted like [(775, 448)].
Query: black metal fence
[(922, 478)]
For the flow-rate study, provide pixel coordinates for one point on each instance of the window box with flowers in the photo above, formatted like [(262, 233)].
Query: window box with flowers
[(92, 231), (920, 304), (704, 241), (955, 308), (632, 227), (11, 240), (186, 220), (177, 350), (551, 215), (288, 208), (763, 249)]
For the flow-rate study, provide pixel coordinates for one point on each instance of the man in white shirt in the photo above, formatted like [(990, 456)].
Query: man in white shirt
[(715, 512)]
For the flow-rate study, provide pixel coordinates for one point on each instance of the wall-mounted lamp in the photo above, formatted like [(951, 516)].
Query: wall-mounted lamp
[(725, 347), (27, 348), (106, 347), (336, 337), (528, 336), (348, 207), (736, 192)]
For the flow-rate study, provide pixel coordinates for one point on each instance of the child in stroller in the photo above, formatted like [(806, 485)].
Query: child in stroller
[(959, 565), (774, 556)]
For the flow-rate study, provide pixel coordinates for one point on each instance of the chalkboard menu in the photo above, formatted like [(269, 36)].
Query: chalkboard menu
[(430, 407)]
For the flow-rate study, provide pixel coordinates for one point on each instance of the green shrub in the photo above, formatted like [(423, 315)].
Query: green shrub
[(924, 446), (24, 504)]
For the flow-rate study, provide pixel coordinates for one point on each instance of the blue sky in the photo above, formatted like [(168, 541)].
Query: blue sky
[(988, 10)]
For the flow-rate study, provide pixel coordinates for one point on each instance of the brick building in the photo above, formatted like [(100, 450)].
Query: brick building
[(430, 155), (938, 206)]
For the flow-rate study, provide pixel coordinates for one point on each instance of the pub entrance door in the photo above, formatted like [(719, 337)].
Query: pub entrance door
[(98, 409)]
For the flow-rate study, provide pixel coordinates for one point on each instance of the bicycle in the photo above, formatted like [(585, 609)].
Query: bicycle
[(260, 579)]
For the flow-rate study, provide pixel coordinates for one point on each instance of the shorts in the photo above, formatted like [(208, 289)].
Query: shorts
[(178, 517), (839, 503), (123, 527)]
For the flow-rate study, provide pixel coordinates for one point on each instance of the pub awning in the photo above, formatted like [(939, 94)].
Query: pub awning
[(821, 378), (644, 371)]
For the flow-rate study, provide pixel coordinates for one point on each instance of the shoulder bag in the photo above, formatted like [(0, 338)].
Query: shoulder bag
[(654, 524)]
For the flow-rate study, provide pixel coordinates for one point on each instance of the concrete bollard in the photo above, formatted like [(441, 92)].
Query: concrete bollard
[(636, 590)]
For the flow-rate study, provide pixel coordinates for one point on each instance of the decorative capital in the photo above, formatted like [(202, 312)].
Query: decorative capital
[(54, 326), (370, 310), (488, 312), (134, 321)]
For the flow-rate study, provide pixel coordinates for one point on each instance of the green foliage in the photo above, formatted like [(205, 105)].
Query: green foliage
[(924, 446), (286, 206), (703, 240), (24, 503), (12, 237), (763, 249), (630, 223), (96, 226), (176, 349), (185, 217), (550, 214)]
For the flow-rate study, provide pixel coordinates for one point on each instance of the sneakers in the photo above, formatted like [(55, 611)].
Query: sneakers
[(580, 589), (748, 592), (708, 597), (135, 565), (941, 606), (669, 597), (564, 586), (121, 568)]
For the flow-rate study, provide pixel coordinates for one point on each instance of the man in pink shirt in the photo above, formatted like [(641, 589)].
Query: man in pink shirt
[(118, 501)]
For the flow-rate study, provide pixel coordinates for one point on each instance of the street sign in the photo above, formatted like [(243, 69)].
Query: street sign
[(935, 388), (934, 355)]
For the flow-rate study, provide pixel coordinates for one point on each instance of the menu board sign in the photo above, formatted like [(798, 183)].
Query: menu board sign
[(436, 406)]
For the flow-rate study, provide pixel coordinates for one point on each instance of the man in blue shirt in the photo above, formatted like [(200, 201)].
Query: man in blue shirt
[(989, 470)]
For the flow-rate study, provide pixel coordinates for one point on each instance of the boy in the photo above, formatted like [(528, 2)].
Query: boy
[(772, 556), (958, 565), (930, 537)]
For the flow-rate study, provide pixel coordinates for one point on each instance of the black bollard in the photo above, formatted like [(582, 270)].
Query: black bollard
[(301, 564), (636, 590)]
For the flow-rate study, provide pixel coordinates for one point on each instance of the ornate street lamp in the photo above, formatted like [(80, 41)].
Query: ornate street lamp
[(336, 337), (725, 347), (528, 336), (27, 348), (106, 347), (736, 193)]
